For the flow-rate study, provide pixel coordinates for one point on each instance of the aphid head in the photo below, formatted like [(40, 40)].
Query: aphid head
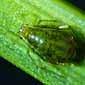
[(24, 31)]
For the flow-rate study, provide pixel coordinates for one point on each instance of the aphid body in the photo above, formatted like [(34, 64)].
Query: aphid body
[(52, 44)]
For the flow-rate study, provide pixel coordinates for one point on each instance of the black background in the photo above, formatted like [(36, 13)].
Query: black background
[(78, 3), (11, 75)]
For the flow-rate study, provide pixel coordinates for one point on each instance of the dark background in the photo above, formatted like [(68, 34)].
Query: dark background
[(11, 75), (78, 3)]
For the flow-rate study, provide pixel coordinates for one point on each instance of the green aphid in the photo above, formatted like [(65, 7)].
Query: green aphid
[(54, 43)]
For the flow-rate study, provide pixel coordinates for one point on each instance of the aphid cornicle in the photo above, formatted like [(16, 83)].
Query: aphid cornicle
[(53, 43)]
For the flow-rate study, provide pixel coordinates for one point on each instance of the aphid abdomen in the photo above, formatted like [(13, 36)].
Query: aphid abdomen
[(51, 44)]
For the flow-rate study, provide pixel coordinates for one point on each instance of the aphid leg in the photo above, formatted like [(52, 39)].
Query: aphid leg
[(45, 23), (39, 21)]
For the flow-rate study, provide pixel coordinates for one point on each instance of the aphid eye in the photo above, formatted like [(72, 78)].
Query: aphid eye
[(54, 44)]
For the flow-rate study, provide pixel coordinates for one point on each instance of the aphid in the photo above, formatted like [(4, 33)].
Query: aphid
[(54, 43)]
